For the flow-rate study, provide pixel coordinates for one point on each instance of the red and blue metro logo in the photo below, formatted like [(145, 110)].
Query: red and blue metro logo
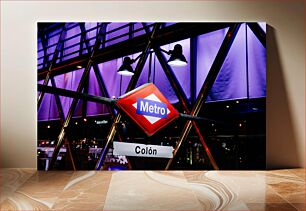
[(148, 107)]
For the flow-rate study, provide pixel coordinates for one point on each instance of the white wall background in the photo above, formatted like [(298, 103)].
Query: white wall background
[(285, 64)]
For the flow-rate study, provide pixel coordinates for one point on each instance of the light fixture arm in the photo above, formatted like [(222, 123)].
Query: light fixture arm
[(150, 52), (176, 59), (138, 57), (167, 52)]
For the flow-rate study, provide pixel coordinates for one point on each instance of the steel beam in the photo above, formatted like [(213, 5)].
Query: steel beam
[(193, 69), (44, 43), (172, 78), (74, 103), (131, 86), (62, 118), (69, 151), (208, 83), (76, 95), (98, 74), (82, 41), (57, 99), (183, 99), (180, 92), (54, 58), (103, 100), (259, 32), (58, 102)]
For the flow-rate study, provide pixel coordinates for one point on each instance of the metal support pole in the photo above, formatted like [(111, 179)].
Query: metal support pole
[(70, 153), (44, 42), (57, 99), (183, 99), (58, 102), (103, 88), (73, 104), (58, 47), (84, 105), (104, 35), (95, 66), (193, 69), (150, 64), (77, 95), (208, 83), (131, 86), (172, 78), (97, 72), (83, 40), (120, 85), (259, 33), (169, 34), (181, 94)]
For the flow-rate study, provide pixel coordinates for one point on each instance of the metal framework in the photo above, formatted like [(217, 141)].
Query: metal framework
[(131, 86), (74, 102), (152, 39)]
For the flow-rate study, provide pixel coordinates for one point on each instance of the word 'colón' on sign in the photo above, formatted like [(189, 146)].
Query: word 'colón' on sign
[(145, 151)]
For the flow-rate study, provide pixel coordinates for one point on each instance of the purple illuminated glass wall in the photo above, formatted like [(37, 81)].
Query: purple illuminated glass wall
[(243, 74)]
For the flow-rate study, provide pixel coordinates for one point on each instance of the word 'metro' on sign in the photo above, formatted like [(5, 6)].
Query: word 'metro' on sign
[(148, 107), (151, 108)]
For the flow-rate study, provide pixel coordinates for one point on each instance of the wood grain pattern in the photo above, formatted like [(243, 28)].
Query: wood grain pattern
[(28, 189)]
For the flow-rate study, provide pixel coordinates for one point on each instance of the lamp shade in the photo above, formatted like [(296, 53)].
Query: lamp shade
[(177, 58), (126, 68)]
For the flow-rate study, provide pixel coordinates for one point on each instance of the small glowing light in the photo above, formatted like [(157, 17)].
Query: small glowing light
[(125, 73), (85, 120), (43, 142), (212, 124), (237, 101), (95, 121), (48, 126), (79, 67), (113, 96), (240, 124), (255, 109), (47, 142), (76, 123), (227, 106), (52, 142), (177, 63), (215, 130)]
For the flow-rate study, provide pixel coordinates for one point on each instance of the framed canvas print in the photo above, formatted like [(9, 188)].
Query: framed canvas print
[(151, 95)]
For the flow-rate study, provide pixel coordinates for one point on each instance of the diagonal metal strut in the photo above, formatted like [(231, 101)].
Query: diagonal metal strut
[(54, 58), (99, 76), (131, 86), (208, 83), (74, 102), (259, 33)]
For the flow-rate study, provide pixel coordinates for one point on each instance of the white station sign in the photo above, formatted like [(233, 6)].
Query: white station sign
[(142, 150)]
